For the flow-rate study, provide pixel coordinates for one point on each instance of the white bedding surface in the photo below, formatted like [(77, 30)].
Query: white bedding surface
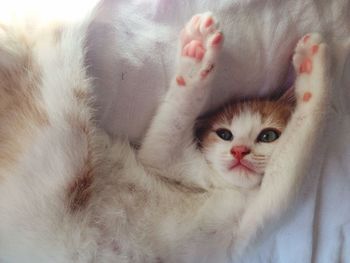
[(133, 46)]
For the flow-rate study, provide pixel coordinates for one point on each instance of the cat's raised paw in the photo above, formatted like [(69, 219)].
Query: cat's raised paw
[(305, 51), (309, 62), (200, 33), (200, 42)]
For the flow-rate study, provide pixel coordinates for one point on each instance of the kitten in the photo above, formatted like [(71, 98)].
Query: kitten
[(70, 194)]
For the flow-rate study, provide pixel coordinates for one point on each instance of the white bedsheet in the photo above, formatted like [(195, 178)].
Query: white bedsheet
[(133, 44)]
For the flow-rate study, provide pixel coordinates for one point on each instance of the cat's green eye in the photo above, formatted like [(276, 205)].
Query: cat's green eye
[(225, 134), (268, 135)]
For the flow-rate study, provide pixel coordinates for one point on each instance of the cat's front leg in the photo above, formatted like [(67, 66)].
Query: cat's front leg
[(290, 161), (171, 128)]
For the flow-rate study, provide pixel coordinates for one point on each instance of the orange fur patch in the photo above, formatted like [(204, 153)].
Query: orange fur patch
[(81, 95), (277, 110), (79, 192), (21, 112)]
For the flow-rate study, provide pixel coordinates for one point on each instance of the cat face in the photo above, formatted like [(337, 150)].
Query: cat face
[(238, 140)]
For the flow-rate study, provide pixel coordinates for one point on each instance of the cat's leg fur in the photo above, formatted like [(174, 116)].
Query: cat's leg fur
[(171, 129), (290, 160), (48, 146)]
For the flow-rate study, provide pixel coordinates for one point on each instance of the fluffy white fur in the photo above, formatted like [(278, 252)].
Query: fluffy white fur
[(163, 203)]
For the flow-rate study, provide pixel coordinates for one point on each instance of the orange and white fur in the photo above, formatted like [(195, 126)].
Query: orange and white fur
[(195, 191)]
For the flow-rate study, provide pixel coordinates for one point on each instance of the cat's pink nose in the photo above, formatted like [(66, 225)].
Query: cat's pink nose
[(240, 151)]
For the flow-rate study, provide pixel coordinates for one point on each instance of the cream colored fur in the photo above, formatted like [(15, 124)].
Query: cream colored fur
[(70, 194)]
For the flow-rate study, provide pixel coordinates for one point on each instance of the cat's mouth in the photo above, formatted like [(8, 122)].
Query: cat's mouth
[(242, 165)]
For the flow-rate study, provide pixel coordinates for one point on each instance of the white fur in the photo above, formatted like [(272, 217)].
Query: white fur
[(163, 203)]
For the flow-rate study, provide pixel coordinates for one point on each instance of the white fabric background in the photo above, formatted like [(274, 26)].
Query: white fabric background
[(132, 50)]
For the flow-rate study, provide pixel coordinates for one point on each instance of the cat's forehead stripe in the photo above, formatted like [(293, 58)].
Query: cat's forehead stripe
[(271, 111)]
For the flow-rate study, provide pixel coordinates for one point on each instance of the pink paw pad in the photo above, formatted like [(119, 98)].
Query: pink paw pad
[(209, 22), (307, 96), (306, 66), (194, 49), (180, 81), (314, 49), (206, 72), (217, 39)]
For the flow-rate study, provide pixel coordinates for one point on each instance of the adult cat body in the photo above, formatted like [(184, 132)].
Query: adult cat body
[(69, 194)]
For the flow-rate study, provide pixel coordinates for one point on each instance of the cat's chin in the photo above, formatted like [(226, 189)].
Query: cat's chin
[(242, 177)]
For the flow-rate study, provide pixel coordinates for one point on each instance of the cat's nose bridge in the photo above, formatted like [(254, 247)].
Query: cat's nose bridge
[(240, 151)]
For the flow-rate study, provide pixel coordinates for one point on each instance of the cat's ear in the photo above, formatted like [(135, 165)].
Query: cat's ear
[(288, 97)]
